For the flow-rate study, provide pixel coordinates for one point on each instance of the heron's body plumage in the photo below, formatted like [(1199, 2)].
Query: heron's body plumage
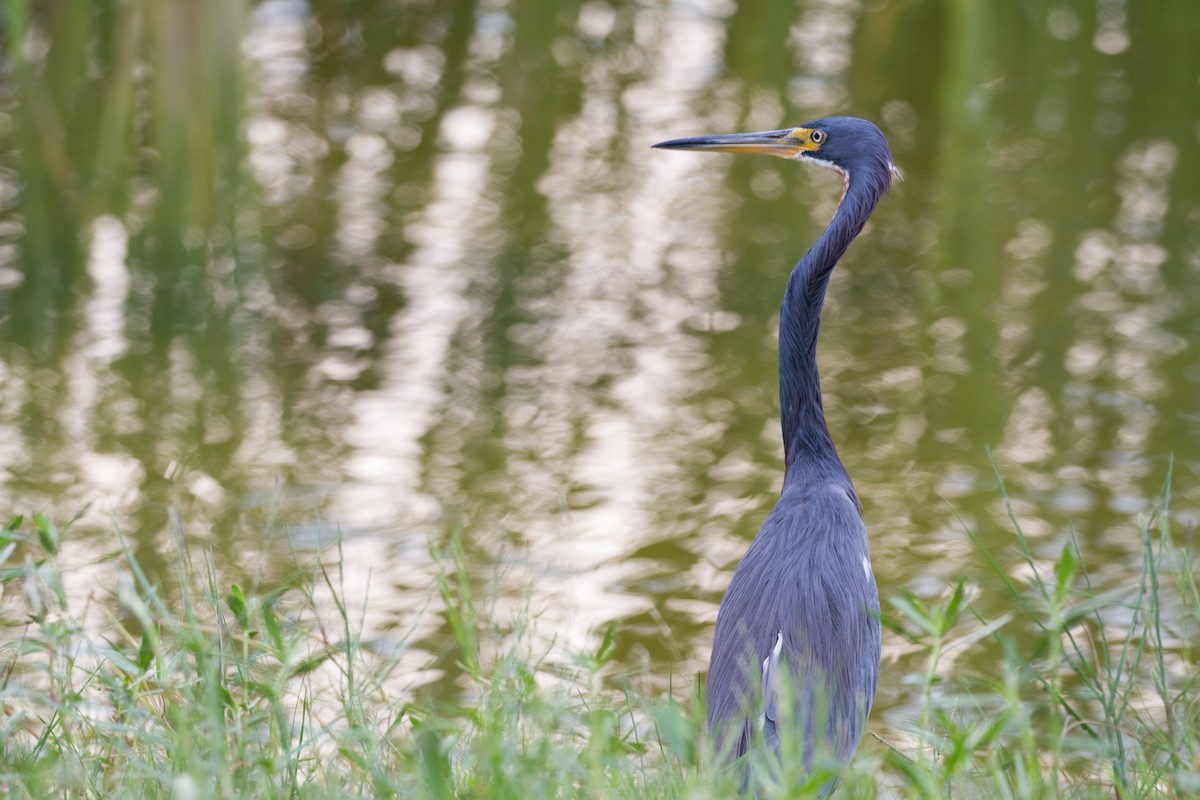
[(797, 644), (802, 579)]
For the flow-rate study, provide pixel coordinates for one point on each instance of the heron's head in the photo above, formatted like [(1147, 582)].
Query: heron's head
[(853, 147)]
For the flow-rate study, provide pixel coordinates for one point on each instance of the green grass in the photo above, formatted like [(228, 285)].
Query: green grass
[(240, 693)]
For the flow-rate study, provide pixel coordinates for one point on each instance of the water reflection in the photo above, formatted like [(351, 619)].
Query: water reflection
[(313, 270)]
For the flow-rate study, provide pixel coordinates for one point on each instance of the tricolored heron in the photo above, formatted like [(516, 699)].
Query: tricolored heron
[(800, 618)]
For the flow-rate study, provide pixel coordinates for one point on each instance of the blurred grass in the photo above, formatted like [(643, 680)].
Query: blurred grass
[(248, 692)]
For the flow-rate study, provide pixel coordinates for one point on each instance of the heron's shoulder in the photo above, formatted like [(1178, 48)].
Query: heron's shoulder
[(824, 497), (820, 513)]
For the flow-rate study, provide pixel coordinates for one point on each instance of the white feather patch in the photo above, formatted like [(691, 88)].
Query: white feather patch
[(770, 681)]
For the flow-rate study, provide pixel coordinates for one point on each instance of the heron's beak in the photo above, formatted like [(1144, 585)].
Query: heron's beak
[(784, 144)]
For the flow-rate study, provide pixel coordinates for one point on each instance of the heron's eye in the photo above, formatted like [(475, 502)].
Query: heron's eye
[(818, 137)]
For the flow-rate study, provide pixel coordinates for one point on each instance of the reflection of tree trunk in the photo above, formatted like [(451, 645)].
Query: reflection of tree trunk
[(538, 94), (40, 309), (51, 178), (1067, 99), (1070, 102), (968, 236), (415, 167), (1164, 60), (541, 95)]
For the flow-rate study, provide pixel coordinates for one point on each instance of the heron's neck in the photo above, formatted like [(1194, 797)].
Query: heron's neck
[(806, 437)]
